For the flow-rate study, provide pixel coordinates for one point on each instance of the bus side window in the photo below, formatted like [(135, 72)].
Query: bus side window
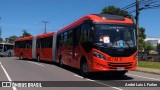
[(65, 39), (5, 48), (70, 38), (86, 33), (38, 43), (61, 40), (58, 41), (76, 36)]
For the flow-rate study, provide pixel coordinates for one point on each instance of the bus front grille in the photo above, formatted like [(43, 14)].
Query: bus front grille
[(114, 65)]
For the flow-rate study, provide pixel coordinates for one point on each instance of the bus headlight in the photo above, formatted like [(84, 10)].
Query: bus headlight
[(99, 55), (135, 56)]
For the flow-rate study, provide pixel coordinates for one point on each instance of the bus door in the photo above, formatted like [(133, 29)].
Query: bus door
[(74, 48), (47, 50), (28, 49), (42, 47), (5, 50)]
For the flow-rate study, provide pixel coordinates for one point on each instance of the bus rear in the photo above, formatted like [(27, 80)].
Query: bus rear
[(6, 49)]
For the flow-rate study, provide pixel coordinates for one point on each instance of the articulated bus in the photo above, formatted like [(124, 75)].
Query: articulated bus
[(35, 47), (6, 49), (94, 43)]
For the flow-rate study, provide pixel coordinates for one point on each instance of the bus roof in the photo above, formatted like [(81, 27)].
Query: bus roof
[(25, 38), (7, 43), (45, 35), (101, 18)]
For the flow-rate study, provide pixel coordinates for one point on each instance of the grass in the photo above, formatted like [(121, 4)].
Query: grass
[(148, 64)]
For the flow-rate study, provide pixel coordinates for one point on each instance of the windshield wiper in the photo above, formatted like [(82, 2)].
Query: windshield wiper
[(127, 43), (99, 44)]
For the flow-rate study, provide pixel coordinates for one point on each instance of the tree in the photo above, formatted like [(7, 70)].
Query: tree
[(25, 34), (148, 46), (1, 40), (158, 46), (116, 11), (11, 39), (142, 36)]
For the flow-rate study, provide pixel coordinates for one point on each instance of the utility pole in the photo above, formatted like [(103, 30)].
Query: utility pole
[(137, 21), (45, 24), (137, 25), (0, 29)]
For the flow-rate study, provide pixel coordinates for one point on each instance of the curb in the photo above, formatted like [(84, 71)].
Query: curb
[(148, 70)]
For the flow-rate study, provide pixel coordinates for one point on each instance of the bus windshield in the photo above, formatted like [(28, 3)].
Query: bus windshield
[(1, 47), (116, 36)]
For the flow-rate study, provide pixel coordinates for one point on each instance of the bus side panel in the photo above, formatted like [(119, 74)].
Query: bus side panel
[(47, 54), (34, 48), (27, 53), (54, 49)]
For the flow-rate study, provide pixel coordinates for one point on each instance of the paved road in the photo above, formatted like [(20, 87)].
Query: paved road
[(12, 69)]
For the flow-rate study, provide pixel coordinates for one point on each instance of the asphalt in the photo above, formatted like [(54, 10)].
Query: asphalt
[(29, 70)]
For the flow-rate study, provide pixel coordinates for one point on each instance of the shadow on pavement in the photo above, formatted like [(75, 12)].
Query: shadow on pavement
[(94, 76)]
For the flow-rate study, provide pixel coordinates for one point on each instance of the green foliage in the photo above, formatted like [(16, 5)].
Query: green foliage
[(142, 44), (116, 11), (25, 34), (1, 40), (148, 46), (158, 46), (11, 39)]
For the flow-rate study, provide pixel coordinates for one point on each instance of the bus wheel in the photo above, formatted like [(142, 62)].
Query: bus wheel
[(9, 54), (84, 69), (60, 63), (38, 58), (21, 57)]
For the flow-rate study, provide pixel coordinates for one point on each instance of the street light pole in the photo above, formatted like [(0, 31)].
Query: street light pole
[(45, 24)]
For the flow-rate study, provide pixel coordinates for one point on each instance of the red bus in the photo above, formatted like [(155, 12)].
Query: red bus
[(97, 43), (94, 43), (44, 44), (38, 47), (23, 47)]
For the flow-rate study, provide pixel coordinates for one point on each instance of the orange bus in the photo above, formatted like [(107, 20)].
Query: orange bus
[(94, 43), (23, 47), (38, 47), (44, 44), (97, 43)]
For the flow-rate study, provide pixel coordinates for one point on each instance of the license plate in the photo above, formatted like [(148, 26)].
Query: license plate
[(120, 68)]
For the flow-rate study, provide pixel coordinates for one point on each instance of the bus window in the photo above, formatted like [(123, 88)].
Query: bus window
[(61, 40), (65, 39), (70, 37), (38, 43), (76, 36)]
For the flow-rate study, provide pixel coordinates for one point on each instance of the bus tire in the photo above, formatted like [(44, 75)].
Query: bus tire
[(84, 69), (21, 57), (60, 61), (38, 58), (9, 54)]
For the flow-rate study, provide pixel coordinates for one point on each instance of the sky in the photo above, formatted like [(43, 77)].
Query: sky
[(19, 15)]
